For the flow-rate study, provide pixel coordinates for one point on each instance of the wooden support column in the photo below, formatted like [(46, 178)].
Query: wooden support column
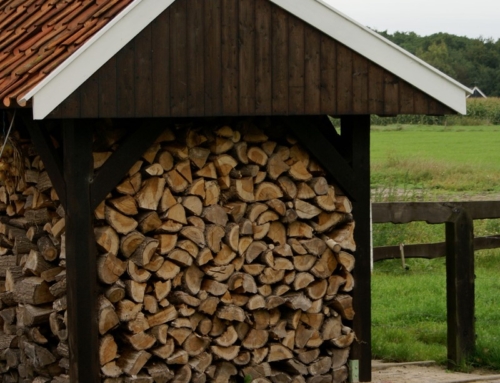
[(460, 287), (355, 130), (81, 252)]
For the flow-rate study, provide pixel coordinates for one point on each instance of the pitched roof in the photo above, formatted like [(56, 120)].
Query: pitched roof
[(54, 46), (36, 36), (477, 93)]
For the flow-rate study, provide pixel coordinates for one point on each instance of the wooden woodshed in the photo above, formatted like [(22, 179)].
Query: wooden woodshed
[(71, 70)]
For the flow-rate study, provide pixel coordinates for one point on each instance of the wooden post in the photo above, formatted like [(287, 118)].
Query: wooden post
[(356, 131), (460, 287), (81, 255)]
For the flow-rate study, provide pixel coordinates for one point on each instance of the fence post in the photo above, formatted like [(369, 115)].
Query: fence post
[(460, 287)]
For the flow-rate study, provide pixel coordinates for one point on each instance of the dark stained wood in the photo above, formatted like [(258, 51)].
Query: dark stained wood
[(125, 95), (460, 277), (195, 48), (406, 98), (431, 212), (376, 89), (344, 80), (430, 250), (178, 58), (229, 57), (71, 107), (51, 159), (312, 70), (296, 66), (263, 69), (143, 74), (280, 61), (421, 103), (240, 57), (391, 94), (328, 75), (426, 250), (89, 94), (359, 84), (213, 54), (107, 88), (356, 129), (247, 56), (110, 174), (161, 64), (81, 266)]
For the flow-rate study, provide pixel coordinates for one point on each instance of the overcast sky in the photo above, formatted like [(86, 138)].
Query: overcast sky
[(472, 18)]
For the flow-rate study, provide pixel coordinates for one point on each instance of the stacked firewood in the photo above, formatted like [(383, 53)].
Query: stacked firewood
[(33, 336), (225, 254)]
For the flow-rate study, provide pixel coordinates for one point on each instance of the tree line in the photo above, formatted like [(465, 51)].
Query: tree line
[(471, 61)]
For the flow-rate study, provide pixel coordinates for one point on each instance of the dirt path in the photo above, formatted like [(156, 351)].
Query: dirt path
[(426, 373)]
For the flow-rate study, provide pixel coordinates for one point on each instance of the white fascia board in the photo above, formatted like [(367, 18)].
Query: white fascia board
[(82, 64), (379, 50)]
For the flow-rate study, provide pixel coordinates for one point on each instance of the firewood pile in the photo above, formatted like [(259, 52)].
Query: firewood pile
[(225, 254)]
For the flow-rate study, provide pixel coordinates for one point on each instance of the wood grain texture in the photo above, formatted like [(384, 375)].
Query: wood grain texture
[(247, 56), (213, 54), (81, 255), (240, 57), (263, 68), (89, 97), (143, 74), (328, 75), (178, 58), (107, 88), (312, 79), (296, 66), (229, 57), (161, 65), (280, 61), (125, 97), (344, 80), (195, 48)]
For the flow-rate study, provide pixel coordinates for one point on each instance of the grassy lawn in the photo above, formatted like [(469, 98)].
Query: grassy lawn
[(409, 306), (439, 160)]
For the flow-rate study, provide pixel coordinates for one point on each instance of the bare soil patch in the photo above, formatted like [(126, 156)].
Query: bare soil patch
[(430, 373)]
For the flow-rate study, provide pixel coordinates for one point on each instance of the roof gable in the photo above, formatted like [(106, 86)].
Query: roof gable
[(357, 82)]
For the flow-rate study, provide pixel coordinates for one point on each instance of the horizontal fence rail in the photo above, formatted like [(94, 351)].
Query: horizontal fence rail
[(459, 247), (432, 213)]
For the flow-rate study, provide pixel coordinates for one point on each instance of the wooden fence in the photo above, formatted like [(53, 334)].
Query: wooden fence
[(458, 249), (433, 213)]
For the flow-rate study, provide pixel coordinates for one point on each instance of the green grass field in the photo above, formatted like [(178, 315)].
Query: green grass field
[(409, 306), (441, 160)]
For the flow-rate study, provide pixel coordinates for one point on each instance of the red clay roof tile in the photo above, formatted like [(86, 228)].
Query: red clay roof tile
[(36, 36)]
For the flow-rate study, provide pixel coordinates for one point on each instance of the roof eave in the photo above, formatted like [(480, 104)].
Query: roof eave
[(75, 70), (380, 50)]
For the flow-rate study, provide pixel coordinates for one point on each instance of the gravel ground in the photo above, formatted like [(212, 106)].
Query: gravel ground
[(427, 373)]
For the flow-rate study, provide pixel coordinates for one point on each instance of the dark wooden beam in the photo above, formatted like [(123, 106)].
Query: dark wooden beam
[(51, 159), (113, 170), (327, 155), (429, 250), (460, 288), (356, 132), (81, 267), (431, 212)]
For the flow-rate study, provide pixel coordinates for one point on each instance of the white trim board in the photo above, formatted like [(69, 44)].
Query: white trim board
[(381, 51), (82, 64)]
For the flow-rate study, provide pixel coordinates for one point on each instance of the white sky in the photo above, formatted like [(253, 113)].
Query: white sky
[(472, 18)]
